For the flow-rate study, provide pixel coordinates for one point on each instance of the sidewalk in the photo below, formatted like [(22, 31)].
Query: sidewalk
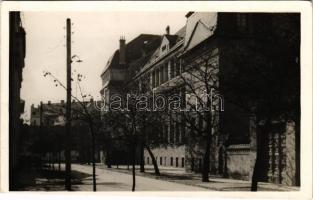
[(178, 175), (46, 179)]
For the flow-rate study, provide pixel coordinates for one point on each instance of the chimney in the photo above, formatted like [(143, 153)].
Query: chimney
[(49, 102), (91, 99), (62, 102), (189, 14), (167, 30), (122, 58)]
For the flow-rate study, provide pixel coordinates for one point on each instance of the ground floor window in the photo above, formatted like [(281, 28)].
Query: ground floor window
[(176, 161), (171, 161), (182, 162), (148, 160), (160, 160)]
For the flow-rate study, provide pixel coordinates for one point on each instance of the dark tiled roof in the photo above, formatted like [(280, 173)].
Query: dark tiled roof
[(144, 44), (172, 39), (181, 32)]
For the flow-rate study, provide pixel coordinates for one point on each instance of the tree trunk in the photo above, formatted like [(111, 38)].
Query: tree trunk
[(108, 159), (206, 158), (93, 149), (133, 163), (142, 159), (59, 158), (154, 162), (254, 183), (206, 161), (258, 167), (54, 160)]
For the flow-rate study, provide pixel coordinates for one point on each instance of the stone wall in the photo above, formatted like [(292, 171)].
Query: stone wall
[(167, 156), (239, 161), (289, 174)]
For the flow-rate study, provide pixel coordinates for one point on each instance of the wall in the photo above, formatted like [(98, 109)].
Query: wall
[(239, 161), (289, 174), (166, 153)]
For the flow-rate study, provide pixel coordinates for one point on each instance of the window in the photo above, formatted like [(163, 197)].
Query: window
[(161, 161), (241, 22), (177, 133), (165, 73), (182, 162), (177, 68), (176, 161), (172, 129), (183, 133), (148, 160), (165, 135), (153, 79), (157, 77), (164, 48), (171, 161), (161, 75), (172, 67)]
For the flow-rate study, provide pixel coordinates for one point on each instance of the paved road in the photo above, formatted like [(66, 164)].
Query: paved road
[(108, 180)]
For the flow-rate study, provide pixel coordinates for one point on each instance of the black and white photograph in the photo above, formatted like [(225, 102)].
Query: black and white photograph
[(155, 101)]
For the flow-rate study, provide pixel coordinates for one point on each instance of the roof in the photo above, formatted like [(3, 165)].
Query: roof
[(137, 48), (181, 32), (173, 39), (142, 49)]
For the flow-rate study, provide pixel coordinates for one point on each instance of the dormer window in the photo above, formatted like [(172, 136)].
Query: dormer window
[(164, 48)]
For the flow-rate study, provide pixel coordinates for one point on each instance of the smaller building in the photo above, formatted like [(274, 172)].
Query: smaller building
[(49, 120)]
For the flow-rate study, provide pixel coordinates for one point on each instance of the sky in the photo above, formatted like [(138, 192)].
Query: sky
[(95, 37)]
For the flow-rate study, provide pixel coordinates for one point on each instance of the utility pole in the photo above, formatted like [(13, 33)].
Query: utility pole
[(40, 128), (68, 107)]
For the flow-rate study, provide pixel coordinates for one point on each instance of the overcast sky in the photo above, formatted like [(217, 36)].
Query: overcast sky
[(95, 38)]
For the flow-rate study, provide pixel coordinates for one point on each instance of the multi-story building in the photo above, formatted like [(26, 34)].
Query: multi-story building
[(249, 52), (126, 62), (16, 104), (50, 118)]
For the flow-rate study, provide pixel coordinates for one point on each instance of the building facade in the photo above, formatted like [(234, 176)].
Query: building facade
[(17, 52), (247, 55)]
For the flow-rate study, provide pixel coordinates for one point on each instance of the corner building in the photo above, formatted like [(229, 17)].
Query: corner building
[(247, 49)]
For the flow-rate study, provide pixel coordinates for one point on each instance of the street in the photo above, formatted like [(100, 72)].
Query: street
[(108, 180)]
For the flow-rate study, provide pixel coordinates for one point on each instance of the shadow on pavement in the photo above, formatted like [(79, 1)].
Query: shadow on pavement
[(46, 179)]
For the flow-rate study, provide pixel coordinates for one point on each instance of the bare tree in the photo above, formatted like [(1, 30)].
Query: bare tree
[(265, 81), (88, 114), (199, 80)]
